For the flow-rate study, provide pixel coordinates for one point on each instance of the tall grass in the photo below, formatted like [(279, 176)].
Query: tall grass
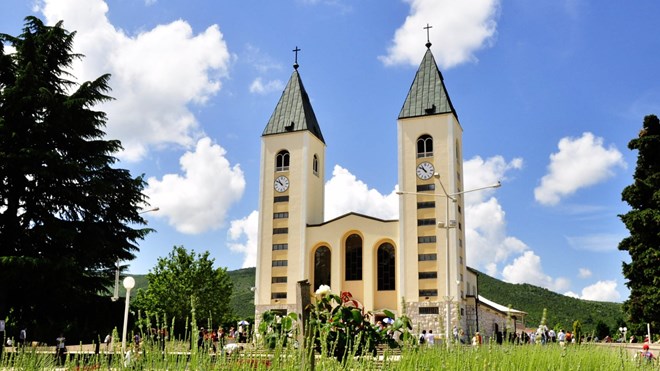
[(439, 357)]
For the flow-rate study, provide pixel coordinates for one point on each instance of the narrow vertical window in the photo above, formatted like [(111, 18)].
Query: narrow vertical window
[(354, 258), (315, 165), (282, 161), (322, 267), (386, 265), (425, 146)]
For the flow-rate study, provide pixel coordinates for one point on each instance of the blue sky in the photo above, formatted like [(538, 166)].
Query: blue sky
[(548, 93)]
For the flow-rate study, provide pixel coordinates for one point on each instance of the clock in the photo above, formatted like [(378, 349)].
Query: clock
[(281, 183), (425, 170)]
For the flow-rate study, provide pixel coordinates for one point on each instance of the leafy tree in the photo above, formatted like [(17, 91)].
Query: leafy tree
[(66, 215), (602, 330), (643, 223), (184, 279)]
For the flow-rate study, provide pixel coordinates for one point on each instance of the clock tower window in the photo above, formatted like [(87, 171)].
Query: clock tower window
[(424, 146), (282, 161)]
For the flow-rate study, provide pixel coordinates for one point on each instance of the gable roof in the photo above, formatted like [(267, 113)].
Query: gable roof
[(294, 111), (427, 94), (500, 308), (352, 213)]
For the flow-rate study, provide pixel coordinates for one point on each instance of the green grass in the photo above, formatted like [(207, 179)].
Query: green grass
[(487, 357)]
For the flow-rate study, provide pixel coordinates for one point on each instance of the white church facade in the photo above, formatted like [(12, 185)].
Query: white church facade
[(415, 265)]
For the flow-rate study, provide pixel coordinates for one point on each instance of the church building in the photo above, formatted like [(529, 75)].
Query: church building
[(415, 265)]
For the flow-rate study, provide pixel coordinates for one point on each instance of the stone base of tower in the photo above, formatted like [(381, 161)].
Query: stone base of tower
[(432, 315)]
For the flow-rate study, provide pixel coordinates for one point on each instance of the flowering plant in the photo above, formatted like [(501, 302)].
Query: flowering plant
[(341, 327)]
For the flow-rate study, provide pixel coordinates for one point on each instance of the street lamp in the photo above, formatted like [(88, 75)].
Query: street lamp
[(115, 296), (623, 330), (447, 225), (129, 283)]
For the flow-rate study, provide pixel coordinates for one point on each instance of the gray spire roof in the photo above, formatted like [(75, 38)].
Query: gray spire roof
[(427, 95), (294, 111)]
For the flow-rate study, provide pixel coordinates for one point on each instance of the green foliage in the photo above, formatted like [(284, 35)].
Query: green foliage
[(242, 296), (184, 281), (276, 330), (577, 331), (66, 214), (602, 330), (563, 310), (643, 223), (342, 329)]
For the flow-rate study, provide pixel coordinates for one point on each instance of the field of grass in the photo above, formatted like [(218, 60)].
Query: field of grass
[(486, 357)]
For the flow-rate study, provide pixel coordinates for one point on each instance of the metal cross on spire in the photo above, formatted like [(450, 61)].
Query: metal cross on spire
[(428, 39), (295, 64)]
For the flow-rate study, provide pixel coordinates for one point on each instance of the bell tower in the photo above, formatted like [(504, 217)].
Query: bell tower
[(432, 266), (291, 195)]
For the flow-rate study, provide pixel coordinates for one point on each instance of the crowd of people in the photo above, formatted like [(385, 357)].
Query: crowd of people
[(219, 339)]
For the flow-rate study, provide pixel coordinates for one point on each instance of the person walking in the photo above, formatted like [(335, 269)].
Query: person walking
[(60, 349)]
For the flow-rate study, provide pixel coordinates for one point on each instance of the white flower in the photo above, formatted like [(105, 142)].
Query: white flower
[(323, 290)]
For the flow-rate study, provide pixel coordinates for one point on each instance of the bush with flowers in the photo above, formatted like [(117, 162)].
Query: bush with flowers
[(341, 327)]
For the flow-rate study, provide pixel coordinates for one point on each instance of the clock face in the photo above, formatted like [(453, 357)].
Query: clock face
[(425, 170), (281, 183)]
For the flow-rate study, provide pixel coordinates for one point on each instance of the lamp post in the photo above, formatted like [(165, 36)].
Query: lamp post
[(623, 330), (115, 295), (129, 283), (447, 225)]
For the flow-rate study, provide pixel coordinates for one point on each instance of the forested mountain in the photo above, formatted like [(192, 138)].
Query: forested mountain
[(562, 310)]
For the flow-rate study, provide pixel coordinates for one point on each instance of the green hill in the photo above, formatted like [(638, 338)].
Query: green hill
[(562, 310), (242, 298)]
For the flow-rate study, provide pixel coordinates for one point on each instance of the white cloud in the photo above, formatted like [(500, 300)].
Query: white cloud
[(602, 242), (152, 97), (259, 87), (527, 268), (480, 173), (245, 230), (584, 273), (580, 162), (601, 291), (198, 201), (260, 61), (487, 243), (460, 28), (344, 193)]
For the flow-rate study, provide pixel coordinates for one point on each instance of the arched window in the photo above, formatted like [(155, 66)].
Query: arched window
[(354, 258), (282, 161), (425, 146), (386, 267), (321, 267), (315, 165)]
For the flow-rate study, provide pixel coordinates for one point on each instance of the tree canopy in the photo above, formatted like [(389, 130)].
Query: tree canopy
[(643, 223), (66, 214), (181, 280)]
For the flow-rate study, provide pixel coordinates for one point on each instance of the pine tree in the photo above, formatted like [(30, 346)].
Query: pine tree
[(643, 223), (66, 215)]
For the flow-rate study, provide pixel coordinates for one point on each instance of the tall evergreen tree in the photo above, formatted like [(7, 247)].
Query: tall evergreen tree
[(66, 214), (643, 223)]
